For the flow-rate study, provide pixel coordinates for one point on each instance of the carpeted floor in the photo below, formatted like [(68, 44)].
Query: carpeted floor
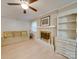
[(29, 49)]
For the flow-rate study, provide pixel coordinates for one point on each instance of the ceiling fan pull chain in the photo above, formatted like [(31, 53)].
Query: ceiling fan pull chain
[(24, 11)]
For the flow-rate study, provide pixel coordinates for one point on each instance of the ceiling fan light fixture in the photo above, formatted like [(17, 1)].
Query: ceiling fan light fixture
[(24, 5)]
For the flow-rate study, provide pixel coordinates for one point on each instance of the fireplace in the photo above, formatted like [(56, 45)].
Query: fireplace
[(45, 36)]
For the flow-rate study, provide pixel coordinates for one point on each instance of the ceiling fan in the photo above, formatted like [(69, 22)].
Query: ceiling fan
[(25, 4)]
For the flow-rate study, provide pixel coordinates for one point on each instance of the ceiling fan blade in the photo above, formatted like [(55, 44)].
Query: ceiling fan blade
[(32, 1), (33, 8), (13, 3), (24, 11)]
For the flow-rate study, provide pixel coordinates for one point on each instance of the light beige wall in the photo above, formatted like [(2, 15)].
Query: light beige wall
[(14, 25)]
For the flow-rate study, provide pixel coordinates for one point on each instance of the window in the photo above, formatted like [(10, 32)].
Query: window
[(34, 26)]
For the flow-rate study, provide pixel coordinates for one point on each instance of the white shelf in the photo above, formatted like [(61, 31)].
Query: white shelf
[(67, 19), (67, 22), (67, 29)]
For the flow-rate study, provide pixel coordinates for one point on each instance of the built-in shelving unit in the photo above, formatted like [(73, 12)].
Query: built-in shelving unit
[(67, 26), (66, 36)]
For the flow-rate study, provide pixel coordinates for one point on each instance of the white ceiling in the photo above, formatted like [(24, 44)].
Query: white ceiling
[(42, 6)]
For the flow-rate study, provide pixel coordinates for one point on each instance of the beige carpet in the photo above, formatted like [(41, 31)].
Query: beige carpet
[(29, 49)]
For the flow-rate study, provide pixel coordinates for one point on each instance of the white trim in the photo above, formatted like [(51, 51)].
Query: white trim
[(67, 5), (72, 11)]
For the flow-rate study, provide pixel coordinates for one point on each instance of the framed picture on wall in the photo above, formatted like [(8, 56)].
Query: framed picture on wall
[(45, 21)]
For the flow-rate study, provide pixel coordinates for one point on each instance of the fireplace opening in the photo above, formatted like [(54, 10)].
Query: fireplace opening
[(45, 36)]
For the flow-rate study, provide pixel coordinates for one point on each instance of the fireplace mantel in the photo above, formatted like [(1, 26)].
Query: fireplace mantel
[(47, 26)]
